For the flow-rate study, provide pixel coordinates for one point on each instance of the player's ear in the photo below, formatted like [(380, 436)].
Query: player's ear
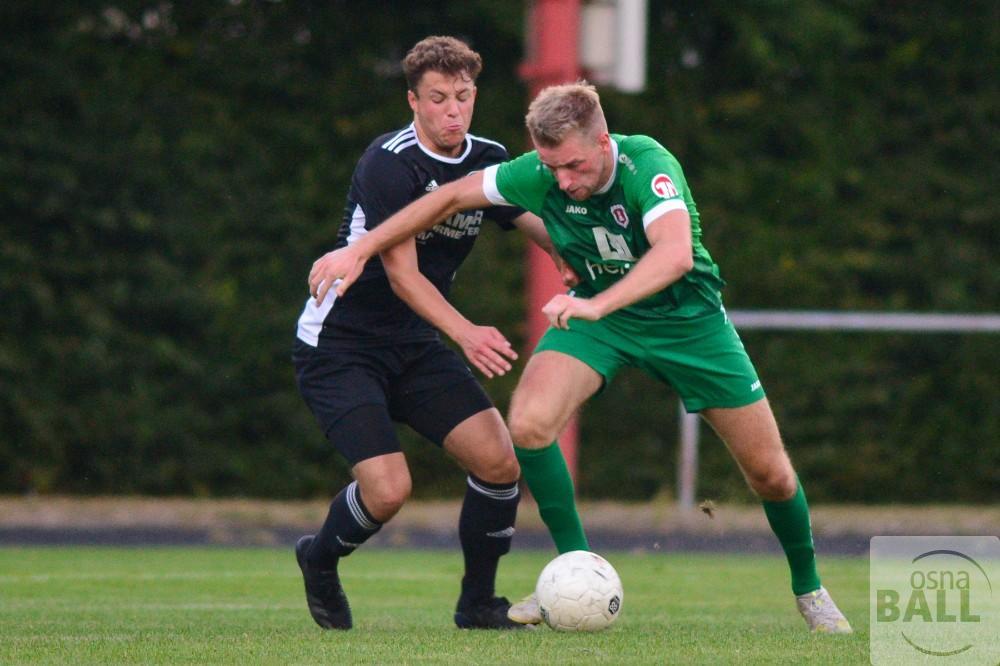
[(411, 99)]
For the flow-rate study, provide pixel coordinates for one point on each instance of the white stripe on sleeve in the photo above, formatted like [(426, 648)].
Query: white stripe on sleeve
[(490, 186), (662, 208)]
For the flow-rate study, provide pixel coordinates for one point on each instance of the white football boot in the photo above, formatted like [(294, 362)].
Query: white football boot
[(525, 611), (821, 614)]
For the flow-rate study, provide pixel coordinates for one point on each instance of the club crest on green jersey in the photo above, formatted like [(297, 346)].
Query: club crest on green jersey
[(621, 217), (663, 186)]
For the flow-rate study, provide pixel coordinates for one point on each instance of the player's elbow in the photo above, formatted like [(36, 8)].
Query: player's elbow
[(396, 284), (685, 263), (681, 257), (399, 282), (675, 258)]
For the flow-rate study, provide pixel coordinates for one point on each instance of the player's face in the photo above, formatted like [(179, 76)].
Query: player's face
[(442, 111), (580, 164)]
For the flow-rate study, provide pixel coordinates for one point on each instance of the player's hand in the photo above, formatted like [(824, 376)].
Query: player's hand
[(487, 349), (566, 272), (563, 307), (339, 268)]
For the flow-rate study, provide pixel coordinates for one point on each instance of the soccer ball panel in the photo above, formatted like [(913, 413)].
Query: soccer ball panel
[(579, 591)]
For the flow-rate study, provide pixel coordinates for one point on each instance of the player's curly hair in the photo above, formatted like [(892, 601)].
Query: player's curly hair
[(559, 110), (446, 55)]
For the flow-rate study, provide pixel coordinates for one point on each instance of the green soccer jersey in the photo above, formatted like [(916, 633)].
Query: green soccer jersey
[(604, 236)]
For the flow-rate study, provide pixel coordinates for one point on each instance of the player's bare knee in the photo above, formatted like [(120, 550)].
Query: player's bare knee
[(529, 432), (389, 503), (505, 470), (511, 470), (385, 498), (774, 485)]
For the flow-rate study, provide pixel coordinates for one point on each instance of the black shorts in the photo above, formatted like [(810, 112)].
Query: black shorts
[(356, 394)]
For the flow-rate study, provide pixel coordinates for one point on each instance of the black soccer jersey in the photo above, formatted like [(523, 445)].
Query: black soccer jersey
[(395, 170)]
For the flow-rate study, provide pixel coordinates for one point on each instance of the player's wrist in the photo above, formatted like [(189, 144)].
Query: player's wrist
[(364, 248), (458, 328), (601, 306)]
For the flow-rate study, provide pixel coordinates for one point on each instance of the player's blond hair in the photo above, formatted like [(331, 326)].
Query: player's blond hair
[(559, 110), (442, 54)]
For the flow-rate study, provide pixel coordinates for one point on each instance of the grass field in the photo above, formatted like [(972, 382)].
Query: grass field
[(246, 606)]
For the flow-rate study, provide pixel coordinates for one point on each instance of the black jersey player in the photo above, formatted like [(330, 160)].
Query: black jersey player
[(371, 358)]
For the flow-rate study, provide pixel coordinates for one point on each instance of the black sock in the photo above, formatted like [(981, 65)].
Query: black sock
[(485, 529), (347, 526)]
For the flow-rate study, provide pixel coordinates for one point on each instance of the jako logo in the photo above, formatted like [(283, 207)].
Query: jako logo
[(576, 210), (629, 164)]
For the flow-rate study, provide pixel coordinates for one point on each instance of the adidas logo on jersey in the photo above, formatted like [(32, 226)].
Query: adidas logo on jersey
[(431, 186), (576, 210)]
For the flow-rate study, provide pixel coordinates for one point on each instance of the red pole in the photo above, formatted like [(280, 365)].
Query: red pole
[(553, 58)]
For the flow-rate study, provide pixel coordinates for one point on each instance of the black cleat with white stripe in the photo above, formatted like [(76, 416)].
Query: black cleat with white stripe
[(324, 594)]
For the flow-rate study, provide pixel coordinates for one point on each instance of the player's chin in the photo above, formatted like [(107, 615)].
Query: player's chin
[(451, 139)]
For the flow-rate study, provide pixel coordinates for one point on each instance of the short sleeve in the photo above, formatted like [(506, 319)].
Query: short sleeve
[(658, 185), (490, 186), (519, 182), (384, 184)]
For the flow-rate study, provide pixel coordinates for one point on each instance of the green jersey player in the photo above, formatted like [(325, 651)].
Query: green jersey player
[(620, 213), (678, 333), (603, 236)]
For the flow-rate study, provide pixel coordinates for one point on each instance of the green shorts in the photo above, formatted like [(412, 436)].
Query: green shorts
[(702, 358)]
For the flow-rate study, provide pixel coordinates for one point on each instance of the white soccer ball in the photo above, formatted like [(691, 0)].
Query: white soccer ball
[(579, 591)]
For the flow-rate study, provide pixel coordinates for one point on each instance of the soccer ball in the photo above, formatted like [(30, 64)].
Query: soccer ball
[(579, 591)]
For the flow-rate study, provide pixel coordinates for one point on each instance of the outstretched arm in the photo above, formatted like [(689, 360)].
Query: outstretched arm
[(346, 263), (484, 346)]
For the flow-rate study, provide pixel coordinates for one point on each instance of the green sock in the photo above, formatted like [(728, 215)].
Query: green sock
[(548, 478), (790, 521)]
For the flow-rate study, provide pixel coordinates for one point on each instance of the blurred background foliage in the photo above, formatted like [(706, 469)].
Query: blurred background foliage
[(170, 171)]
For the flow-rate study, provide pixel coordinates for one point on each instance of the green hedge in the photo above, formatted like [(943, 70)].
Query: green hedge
[(170, 171)]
